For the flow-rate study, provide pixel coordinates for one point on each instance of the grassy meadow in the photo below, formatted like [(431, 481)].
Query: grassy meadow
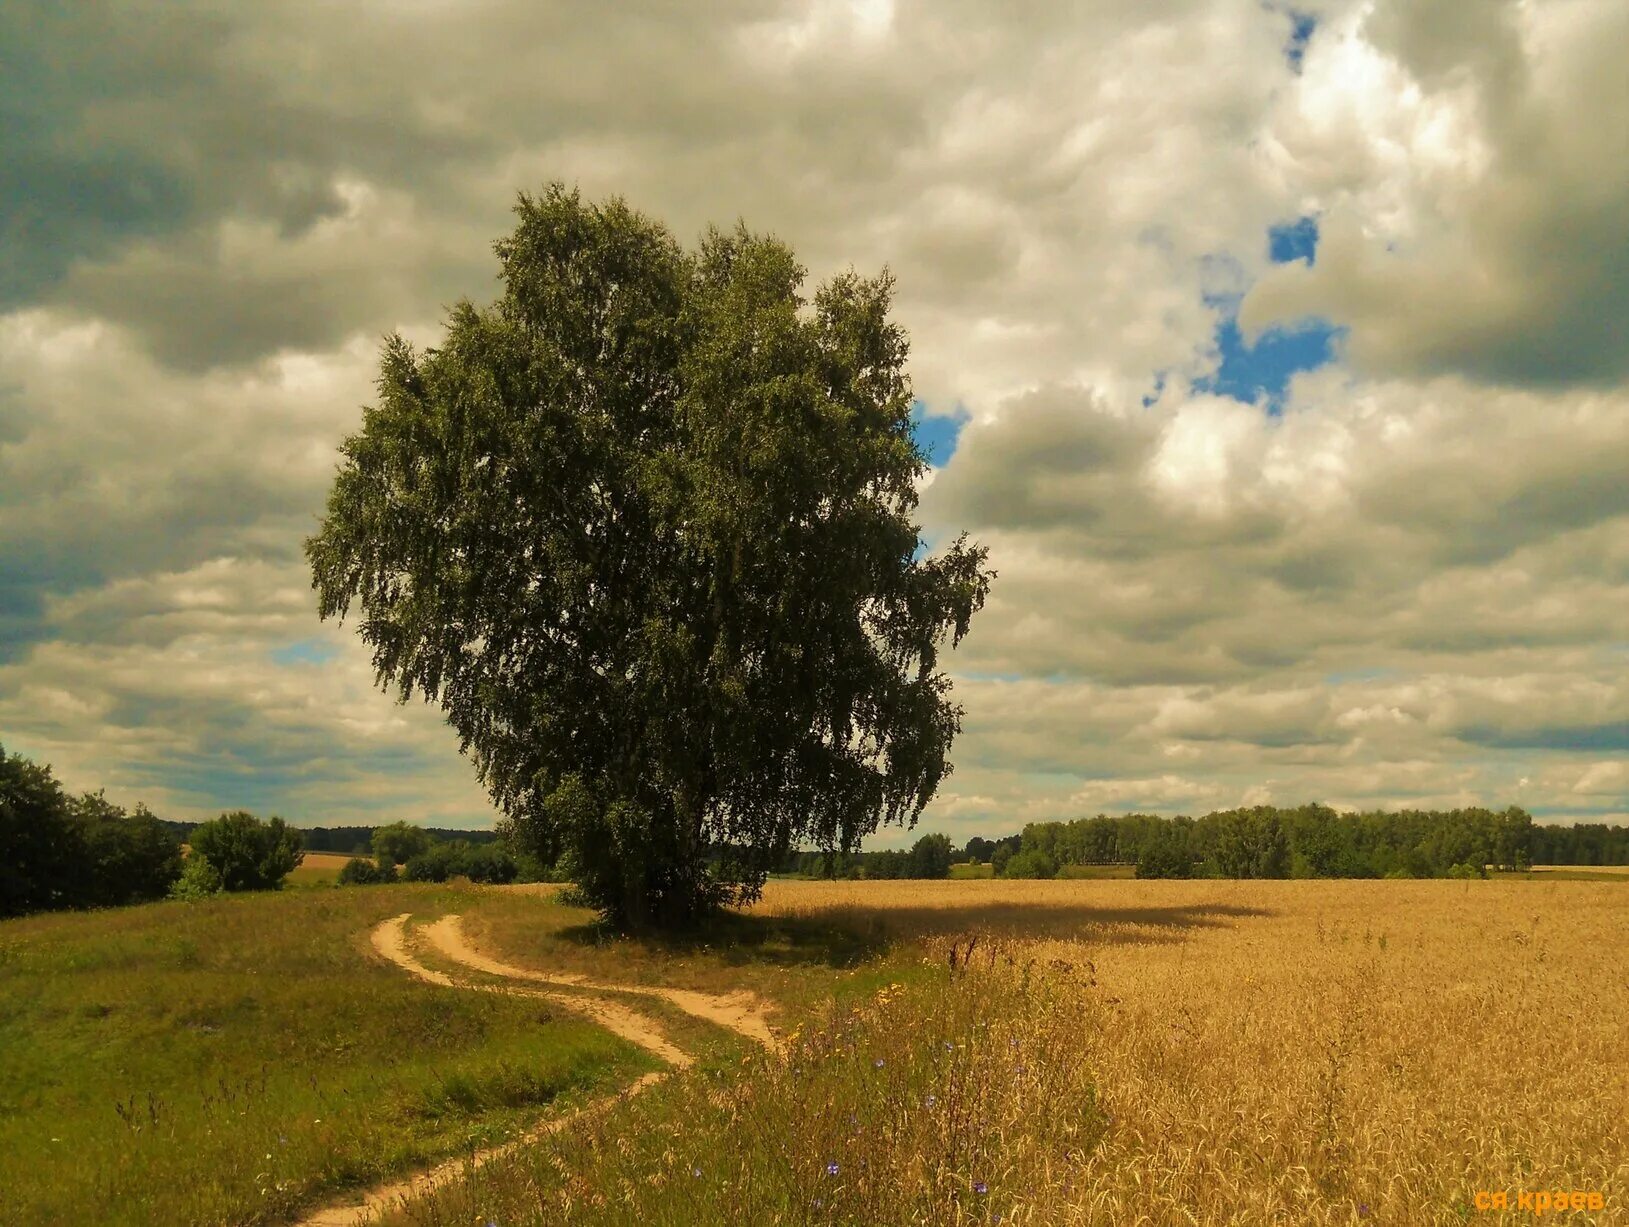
[(238, 1059), (1092, 1052)]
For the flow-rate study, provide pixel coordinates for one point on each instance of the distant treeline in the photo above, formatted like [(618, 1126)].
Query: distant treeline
[(60, 851), (1310, 841), (356, 841), (1587, 843), (930, 857)]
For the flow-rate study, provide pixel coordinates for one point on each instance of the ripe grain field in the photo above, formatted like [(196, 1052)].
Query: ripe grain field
[(1113, 1052)]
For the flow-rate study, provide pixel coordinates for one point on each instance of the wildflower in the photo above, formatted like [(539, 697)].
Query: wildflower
[(930, 1101), (831, 1169), (696, 1171), (1363, 1210), (878, 1063), (980, 1187)]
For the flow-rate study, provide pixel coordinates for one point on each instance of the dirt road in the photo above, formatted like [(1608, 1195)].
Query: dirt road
[(740, 1012)]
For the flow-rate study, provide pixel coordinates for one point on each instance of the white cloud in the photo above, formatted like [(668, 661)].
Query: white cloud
[(1408, 587)]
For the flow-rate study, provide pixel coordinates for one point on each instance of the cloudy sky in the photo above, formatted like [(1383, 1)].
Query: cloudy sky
[(1277, 351)]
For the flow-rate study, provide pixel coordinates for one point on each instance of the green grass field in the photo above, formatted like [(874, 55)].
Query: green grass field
[(237, 1060)]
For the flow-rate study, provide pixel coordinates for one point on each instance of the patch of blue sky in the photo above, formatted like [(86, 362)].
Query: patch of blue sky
[(1259, 372), (304, 652), (937, 432), (1295, 47), (1291, 241)]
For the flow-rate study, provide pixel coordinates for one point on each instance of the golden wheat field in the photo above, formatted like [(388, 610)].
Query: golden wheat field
[(1124, 1053), (1308, 1052)]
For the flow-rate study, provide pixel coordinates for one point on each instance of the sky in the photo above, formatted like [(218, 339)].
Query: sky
[(1278, 352)]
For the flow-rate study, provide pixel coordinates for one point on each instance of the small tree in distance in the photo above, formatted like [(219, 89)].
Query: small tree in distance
[(247, 853), (643, 529), (930, 857), (399, 843)]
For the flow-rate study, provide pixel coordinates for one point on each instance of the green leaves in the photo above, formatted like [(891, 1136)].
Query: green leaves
[(643, 529), (248, 853)]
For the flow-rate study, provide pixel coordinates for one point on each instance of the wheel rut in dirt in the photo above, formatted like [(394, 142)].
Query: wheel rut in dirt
[(742, 1013)]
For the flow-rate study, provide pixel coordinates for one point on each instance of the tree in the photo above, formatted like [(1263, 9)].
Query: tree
[(33, 835), (360, 871), (643, 529), (399, 843), (58, 851), (930, 857), (1164, 857), (1513, 839), (247, 853), (199, 880), (1030, 863), (124, 858), (978, 849)]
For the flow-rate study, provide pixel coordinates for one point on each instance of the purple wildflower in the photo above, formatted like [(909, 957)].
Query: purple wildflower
[(980, 1187), (831, 1169)]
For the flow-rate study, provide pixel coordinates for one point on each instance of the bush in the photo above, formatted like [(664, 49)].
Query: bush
[(199, 879), (1030, 863), (248, 854), (360, 871), (399, 843), (529, 867), (435, 864), (487, 863), (1465, 871), (572, 895)]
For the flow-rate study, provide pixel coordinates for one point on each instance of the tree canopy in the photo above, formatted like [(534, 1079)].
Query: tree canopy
[(248, 853), (399, 842), (642, 527)]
